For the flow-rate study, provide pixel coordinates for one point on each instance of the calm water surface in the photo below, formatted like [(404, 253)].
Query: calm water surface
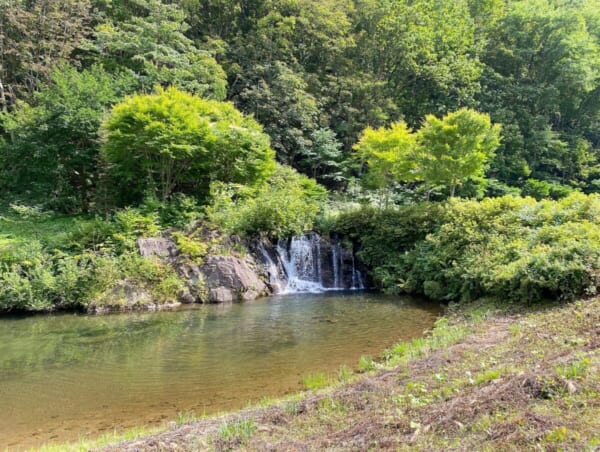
[(67, 376)]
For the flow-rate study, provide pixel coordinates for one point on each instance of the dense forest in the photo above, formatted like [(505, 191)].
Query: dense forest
[(315, 74), (274, 117)]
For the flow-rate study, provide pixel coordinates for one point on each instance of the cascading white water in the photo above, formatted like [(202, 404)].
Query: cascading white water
[(335, 265), (301, 267), (357, 281), (302, 263), (277, 283)]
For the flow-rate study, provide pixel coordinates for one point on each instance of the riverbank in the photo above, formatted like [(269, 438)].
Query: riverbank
[(483, 379)]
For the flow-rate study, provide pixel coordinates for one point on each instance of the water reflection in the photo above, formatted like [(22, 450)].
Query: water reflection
[(64, 376)]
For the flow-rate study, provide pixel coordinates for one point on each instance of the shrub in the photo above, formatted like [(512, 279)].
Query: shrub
[(287, 205), (512, 248)]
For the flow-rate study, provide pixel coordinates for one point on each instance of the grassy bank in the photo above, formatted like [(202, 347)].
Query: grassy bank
[(484, 379)]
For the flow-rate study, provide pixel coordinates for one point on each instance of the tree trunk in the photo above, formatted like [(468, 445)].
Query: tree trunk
[(452, 190)]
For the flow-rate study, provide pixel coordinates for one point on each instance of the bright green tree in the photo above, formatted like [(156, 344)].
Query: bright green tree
[(173, 141), (456, 148), (389, 154)]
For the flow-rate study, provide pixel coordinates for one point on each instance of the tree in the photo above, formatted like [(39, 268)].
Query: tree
[(424, 50), (322, 159), (173, 141), (455, 148), (153, 45), (390, 155), (36, 36), (278, 98), (541, 81), (53, 148)]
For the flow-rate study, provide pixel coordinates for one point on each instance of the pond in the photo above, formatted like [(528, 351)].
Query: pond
[(67, 376)]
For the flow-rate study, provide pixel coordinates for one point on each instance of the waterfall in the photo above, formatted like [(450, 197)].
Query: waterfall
[(277, 283), (303, 265), (357, 280), (335, 265)]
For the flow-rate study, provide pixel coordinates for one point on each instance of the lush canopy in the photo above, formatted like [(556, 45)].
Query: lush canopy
[(173, 141)]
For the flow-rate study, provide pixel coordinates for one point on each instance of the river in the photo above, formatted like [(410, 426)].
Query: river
[(67, 376)]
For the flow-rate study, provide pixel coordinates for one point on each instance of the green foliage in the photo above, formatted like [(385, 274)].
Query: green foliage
[(315, 381), (323, 158), (366, 364), (344, 374), (36, 37), (287, 205), (485, 377), (574, 370), (456, 148), (179, 211), (186, 417), (53, 149), (390, 155), (195, 249), (152, 44), (541, 67), (316, 73), (515, 249), (540, 189), (41, 281), (51, 262), (444, 153), (130, 224), (172, 141)]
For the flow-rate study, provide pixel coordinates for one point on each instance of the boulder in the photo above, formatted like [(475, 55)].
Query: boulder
[(126, 296), (156, 247), (229, 278)]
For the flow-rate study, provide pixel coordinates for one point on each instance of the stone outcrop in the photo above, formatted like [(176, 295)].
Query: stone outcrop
[(126, 296), (263, 270), (229, 278), (160, 247)]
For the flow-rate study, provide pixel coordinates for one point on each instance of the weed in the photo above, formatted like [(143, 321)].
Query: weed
[(238, 432), (315, 381), (487, 376), (330, 406), (344, 374), (366, 364), (291, 408), (557, 435), (574, 370), (185, 417)]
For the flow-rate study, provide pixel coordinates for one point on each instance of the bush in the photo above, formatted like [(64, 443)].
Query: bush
[(43, 282), (512, 248), (287, 205)]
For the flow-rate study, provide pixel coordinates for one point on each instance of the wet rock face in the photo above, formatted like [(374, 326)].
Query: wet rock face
[(229, 278), (309, 263)]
